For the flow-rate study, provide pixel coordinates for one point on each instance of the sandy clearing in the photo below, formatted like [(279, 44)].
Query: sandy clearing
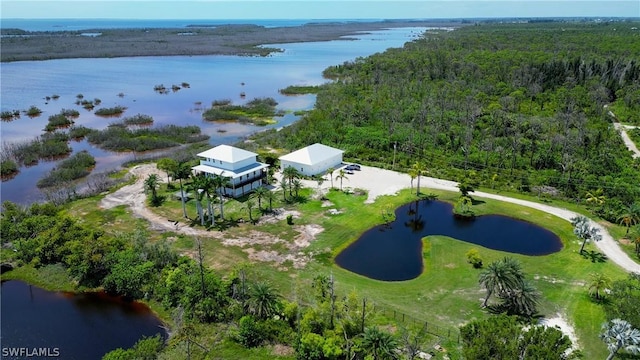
[(560, 322)]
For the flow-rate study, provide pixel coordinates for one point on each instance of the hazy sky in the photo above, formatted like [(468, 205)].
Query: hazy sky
[(313, 9)]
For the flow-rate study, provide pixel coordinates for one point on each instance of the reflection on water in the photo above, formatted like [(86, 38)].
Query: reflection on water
[(80, 326), (393, 252), (210, 78)]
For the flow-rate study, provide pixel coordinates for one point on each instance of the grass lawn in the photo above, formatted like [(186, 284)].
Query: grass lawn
[(445, 295)]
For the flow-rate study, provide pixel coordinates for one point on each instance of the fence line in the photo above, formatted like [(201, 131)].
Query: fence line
[(430, 328)]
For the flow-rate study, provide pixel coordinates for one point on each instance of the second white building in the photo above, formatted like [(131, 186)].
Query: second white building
[(312, 160)]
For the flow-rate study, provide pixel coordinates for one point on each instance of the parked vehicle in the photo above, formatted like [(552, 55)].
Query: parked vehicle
[(352, 167)]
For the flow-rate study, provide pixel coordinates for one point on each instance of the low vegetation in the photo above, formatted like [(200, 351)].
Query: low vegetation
[(33, 111), (47, 146), (300, 90), (259, 111), (75, 167), (123, 139), (113, 111)]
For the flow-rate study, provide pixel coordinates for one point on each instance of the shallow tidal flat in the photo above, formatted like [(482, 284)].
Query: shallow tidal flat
[(19, 45)]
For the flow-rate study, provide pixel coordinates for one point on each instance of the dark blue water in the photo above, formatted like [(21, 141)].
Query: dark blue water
[(393, 252), (76, 326)]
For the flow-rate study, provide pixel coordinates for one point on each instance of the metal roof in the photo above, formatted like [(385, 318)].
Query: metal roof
[(227, 153), (312, 154)]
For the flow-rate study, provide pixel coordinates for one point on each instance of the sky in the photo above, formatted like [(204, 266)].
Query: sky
[(314, 9)]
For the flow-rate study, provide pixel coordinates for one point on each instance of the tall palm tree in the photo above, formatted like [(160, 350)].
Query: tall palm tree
[(250, 204), (284, 185), (182, 172), (221, 182), (630, 216), (151, 184), (263, 301), (197, 185), (270, 196), (259, 194), (501, 277), (583, 230), (379, 344), (290, 173), (619, 334), (296, 185), (330, 173), (341, 175), (419, 169), (209, 187), (412, 174), (599, 283)]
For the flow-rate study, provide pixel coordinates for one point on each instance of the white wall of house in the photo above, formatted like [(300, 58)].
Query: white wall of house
[(227, 165), (313, 169)]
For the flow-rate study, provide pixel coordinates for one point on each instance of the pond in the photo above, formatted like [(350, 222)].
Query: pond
[(75, 326), (393, 252)]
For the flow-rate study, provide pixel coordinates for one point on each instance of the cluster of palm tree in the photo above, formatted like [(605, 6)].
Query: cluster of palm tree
[(151, 184), (630, 216), (290, 181), (506, 279)]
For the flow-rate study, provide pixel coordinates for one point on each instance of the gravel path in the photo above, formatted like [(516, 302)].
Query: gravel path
[(627, 140)]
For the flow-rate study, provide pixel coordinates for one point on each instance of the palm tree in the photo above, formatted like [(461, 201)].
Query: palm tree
[(419, 169), (330, 173), (182, 172), (412, 174), (168, 165), (630, 216), (270, 196), (379, 344), (151, 184), (522, 300), (341, 175), (260, 193), (598, 285), (585, 232), (635, 238), (263, 301), (596, 197), (250, 204), (209, 187), (500, 277), (284, 185), (197, 185), (619, 334), (290, 173), (221, 182), (296, 185)]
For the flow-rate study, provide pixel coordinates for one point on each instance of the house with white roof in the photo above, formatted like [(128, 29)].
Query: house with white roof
[(313, 159), (240, 166)]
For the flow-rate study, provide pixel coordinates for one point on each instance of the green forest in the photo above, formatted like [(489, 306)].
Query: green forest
[(525, 107)]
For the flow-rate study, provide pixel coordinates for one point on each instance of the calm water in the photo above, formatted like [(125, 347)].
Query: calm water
[(81, 327), (210, 78), (393, 252)]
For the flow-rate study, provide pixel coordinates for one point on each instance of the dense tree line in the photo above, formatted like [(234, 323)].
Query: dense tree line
[(523, 105)]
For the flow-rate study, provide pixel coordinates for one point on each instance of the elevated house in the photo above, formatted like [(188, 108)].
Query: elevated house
[(240, 166), (312, 160)]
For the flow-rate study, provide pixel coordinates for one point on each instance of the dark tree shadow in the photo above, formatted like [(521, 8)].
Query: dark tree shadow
[(594, 256)]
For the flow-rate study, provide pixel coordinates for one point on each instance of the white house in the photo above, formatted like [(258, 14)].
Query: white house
[(245, 173), (313, 159)]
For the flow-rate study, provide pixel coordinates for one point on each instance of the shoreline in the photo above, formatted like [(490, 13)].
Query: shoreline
[(231, 39)]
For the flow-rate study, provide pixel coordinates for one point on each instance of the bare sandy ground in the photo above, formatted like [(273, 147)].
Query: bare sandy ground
[(134, 198)]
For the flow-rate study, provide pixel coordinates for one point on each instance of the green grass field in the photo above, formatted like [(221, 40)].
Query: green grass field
[(445, 295)]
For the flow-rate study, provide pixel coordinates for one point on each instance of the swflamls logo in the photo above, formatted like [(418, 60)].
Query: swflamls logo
[(29, 352)]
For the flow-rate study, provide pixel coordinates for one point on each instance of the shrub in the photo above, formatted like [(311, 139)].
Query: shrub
[(473, 258), (289, 219), (57, 121), (114, 111), (250, 333), (8, 167), (33, 111)]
